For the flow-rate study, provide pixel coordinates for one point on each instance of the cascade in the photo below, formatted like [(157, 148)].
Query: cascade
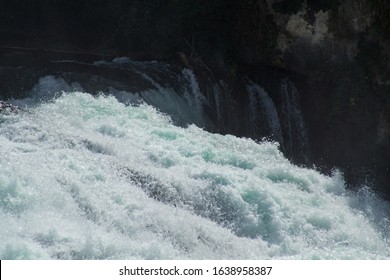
[(178, 93), (132, 173), (294, 129), (122, 181), (263, 117)]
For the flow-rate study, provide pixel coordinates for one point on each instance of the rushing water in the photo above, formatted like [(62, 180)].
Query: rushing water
[(85, 177), (259, 102), (296, 141)]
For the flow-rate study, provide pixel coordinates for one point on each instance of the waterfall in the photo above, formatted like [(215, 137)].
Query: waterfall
[(261, 107), (176, 93), (294, 129), (134, 173), (194, 97), (116, 181), (191, 96)]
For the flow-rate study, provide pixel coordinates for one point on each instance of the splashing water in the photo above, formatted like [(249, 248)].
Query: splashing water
[(85, 177)]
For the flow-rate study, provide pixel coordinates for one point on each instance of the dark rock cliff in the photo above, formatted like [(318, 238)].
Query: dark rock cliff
[(342, 49)]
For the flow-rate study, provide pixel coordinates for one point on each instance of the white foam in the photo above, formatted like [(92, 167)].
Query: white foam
[(90, 178)]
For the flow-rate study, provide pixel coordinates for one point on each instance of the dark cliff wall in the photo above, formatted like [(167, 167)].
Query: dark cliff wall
[(342, 49), (337, 53), (119, 26)]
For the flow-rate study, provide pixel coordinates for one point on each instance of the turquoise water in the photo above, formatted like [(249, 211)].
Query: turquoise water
[(85, 177)]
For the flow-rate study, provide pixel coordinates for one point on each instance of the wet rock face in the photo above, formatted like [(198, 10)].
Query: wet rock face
[(345, 62), (338, 54), (341, 50)]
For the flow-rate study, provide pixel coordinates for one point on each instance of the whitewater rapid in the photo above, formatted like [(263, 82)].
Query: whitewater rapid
[(84, 177)]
